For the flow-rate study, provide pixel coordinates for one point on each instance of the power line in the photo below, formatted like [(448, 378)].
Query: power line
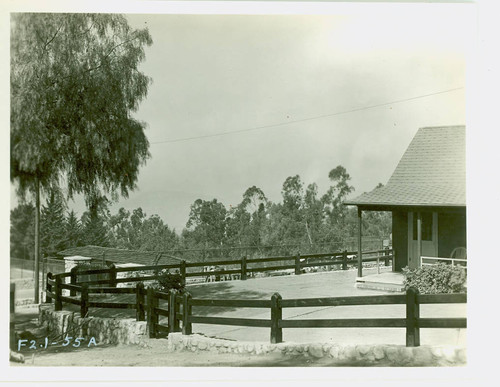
[(303, 119)]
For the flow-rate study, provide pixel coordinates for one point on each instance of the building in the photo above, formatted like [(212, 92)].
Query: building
[(426, 195)]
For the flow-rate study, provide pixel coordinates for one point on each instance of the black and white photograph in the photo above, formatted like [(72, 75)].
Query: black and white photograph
[(193, 185)]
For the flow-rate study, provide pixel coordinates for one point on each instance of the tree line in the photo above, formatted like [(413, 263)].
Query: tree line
[(303, 217)]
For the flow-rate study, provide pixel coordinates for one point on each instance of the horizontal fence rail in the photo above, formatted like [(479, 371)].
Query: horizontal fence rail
[(77, 286), (177, 308)]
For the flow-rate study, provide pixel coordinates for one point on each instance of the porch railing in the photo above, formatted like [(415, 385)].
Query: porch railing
[(425, 261)]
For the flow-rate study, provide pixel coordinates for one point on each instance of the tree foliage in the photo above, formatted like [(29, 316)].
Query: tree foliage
[(74, 84), (22, 237), (53, 225)]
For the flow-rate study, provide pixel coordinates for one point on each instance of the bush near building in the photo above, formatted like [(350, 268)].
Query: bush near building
[(438, 278)]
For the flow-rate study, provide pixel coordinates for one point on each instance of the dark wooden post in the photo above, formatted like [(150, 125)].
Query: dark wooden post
[(419, 238), (360, 254), (183, 272), (276, 316), (140, 314), (12, 324), (152, 320), (187, 327), (177, 309), (57, 294), (297, 264), (412, 315), (112, 275), (73, 280), (48, 299), (84, 300), (386, 253), (244, 268), (172, 310), (344, 260)]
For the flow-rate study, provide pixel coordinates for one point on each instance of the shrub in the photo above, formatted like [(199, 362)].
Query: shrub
[(438, 278), (168, 281)]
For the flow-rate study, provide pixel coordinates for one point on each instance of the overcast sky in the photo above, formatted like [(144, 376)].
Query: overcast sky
[(223, 73)]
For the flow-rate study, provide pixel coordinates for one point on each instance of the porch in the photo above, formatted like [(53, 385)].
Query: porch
[(387, 281)]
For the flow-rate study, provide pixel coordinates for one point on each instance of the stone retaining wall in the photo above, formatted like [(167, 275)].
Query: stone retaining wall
[(387, 355), (104, 330), (129, 331)]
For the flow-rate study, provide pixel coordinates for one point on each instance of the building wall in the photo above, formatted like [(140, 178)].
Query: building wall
[(400, 239), (452, 232)]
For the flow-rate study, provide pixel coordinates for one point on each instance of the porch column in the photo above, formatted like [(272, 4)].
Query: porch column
[(360, 255), (419, 238)]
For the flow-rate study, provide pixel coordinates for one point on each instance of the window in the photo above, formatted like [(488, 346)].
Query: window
[(426, 226)]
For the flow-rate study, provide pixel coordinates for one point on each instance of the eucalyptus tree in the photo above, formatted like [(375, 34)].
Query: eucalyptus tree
[(75, 83)]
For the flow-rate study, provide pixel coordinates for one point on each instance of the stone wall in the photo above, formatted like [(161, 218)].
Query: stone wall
[(386, 355), (104, 330)]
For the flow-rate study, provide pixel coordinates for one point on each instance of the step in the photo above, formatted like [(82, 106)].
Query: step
[(380, 286)]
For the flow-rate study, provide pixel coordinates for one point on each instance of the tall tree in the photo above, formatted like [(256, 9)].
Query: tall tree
[(74, 84), (53, 225), (22, 238), (73, 229), (95, 224), (333, 199), (206, 226)]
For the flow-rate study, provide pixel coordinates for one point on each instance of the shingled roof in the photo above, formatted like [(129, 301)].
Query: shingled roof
[(120, 255), (430, 173)]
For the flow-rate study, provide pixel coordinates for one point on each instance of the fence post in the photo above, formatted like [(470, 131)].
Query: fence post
[(57, 294), (276, 316), (48, 299), (73, 280), (187, 327), (297, 264), (172, 310), (84, 300), (139, 302), (412, 315), (12, 324), (344, 260), (244, 268), (183, 272), (112, 275), (386, 257), (152, 316)]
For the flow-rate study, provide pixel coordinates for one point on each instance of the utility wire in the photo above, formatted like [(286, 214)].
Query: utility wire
[(303, 119)]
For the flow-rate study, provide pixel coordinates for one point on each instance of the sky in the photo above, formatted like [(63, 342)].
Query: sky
[(301, 93)]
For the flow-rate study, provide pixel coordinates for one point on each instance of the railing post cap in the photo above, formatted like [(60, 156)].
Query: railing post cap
[(276, 295)]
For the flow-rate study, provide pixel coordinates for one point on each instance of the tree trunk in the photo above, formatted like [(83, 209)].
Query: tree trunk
[(37, 239)]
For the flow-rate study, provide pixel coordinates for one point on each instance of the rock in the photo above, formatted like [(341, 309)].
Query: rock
[(16, 357), (202, 345), (363, 349), (334, 352), (405, 355), (449, 354), (350, 353), (316, 350), (392, 353), (462, 355), (378, 352)]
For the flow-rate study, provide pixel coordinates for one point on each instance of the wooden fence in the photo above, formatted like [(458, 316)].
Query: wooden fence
[(56, 283), (177, 309)]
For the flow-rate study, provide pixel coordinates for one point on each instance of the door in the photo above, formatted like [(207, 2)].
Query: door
[(429, 237)]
